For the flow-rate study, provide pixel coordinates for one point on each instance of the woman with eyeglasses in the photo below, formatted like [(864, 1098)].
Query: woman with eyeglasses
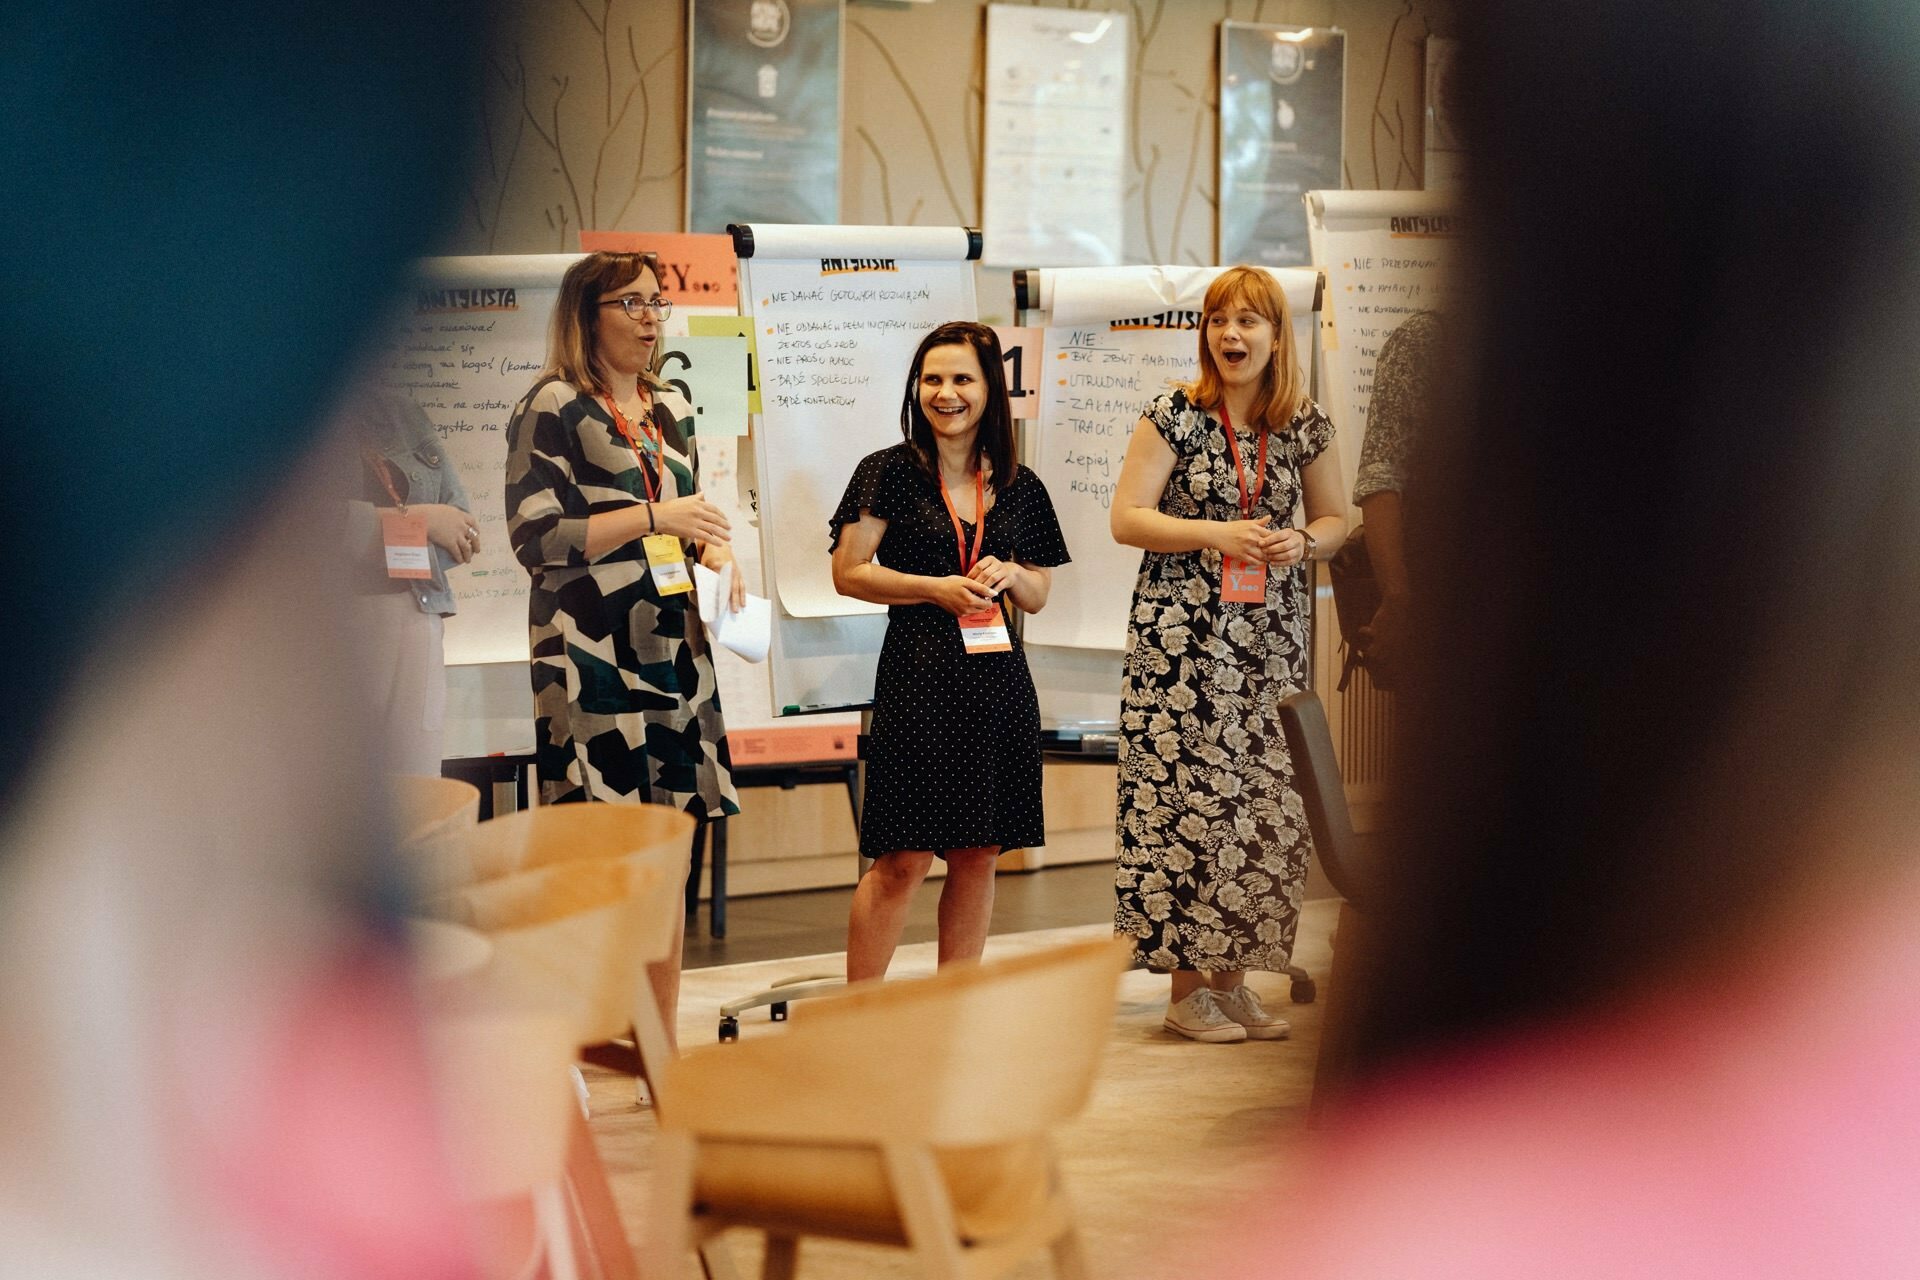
[(604, 510)]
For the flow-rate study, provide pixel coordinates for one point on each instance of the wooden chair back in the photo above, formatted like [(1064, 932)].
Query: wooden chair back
[(575, 936), (977, 1054), (549, 835), (428, 811)]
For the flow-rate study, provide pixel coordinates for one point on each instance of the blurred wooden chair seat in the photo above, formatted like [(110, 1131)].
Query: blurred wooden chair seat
[(507, 1117), (913, 1113)]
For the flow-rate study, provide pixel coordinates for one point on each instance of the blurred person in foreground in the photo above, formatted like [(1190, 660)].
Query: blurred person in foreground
[(209, 1060), (1645, 998)]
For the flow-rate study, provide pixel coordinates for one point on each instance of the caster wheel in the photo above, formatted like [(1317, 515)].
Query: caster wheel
[(778, 1011), (1303, 991), (729, 1030)]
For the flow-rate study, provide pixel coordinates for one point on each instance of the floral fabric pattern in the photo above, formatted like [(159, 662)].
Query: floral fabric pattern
[(1213, 844)]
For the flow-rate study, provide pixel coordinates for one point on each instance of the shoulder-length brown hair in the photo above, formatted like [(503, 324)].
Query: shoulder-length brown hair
[(1282, 389), (995, 440), (570, 337)]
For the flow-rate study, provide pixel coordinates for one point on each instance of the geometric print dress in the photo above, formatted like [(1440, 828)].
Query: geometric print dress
[(1213, 847), (626, 704)]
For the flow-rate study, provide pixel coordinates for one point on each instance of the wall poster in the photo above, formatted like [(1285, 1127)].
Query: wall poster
[(763, 112), (1056, 136), (1282, 117)]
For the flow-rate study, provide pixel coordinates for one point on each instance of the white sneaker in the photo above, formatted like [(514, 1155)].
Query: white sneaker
[(1242, 1005), (1199, 1018)]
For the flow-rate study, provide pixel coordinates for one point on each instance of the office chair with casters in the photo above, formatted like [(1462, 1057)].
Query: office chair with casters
[(1349, 868), (911, 1113)]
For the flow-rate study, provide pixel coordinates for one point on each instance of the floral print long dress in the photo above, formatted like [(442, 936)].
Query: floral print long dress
[(1213, 843)]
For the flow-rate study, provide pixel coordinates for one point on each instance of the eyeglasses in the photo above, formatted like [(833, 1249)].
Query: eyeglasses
[(633, 304)]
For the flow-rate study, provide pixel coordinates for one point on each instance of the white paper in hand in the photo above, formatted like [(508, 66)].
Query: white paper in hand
[(748, 632)]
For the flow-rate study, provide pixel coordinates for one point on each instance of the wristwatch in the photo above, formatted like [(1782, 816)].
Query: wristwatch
[(1313, 546)]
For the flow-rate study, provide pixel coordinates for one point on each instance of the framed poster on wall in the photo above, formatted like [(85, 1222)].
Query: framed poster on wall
[(1282, 117), (763, 112)]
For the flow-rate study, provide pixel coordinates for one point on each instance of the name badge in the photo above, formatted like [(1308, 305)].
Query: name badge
[(405, 539), (985, 632), (668, 562), (1243, 581)]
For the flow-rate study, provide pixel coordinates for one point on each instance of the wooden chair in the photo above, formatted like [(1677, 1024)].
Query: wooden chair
[(1349, 869), (591, 938), (429, 810), (575, 937), (507, 1115), (912, 1113)]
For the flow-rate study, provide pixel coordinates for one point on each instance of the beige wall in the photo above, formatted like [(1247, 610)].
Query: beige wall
[(584, 122)]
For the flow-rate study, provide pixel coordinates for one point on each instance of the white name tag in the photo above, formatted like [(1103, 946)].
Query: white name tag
[(985, 632)]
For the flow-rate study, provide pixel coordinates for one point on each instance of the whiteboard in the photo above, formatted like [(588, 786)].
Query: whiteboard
[(1386, 255), (1116, 337), (837, 313)]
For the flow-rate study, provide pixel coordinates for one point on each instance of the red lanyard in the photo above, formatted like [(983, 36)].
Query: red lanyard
[(980, 527), (1247, 500), (380, 465), (655, 444)]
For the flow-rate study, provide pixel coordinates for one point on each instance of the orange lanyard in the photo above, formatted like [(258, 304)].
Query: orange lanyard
[(980, 527), (380, 465), (656, 443), (1247, 500)]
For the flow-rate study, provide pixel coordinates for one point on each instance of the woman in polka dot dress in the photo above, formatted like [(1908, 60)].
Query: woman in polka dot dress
[(953, 763)]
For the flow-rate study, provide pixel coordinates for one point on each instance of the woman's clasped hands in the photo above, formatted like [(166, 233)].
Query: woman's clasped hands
[(1253, 541)]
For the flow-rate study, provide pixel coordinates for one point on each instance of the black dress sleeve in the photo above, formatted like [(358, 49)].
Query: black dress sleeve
[(877, 486), (1038, 540)]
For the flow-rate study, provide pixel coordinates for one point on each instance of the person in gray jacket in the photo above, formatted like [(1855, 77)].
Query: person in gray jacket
[(405, 527)]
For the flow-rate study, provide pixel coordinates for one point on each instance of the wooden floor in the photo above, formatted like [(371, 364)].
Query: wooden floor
[(782, 925)]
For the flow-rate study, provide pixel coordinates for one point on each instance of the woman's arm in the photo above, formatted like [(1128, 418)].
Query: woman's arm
[(855, 574), (1025, 584), (1137, 521), (691, 517), (1324, 498)]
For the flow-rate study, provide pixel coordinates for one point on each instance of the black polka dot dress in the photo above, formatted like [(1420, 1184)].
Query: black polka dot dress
[(954, 757)]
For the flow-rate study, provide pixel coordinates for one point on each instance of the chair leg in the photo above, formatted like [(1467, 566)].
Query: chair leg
[(651, 1044), (693, 871), (604, 1239), (665, 1247), (555, 1228), (716, 1261), (925, 1209), (717, 880), (783, 1257)]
